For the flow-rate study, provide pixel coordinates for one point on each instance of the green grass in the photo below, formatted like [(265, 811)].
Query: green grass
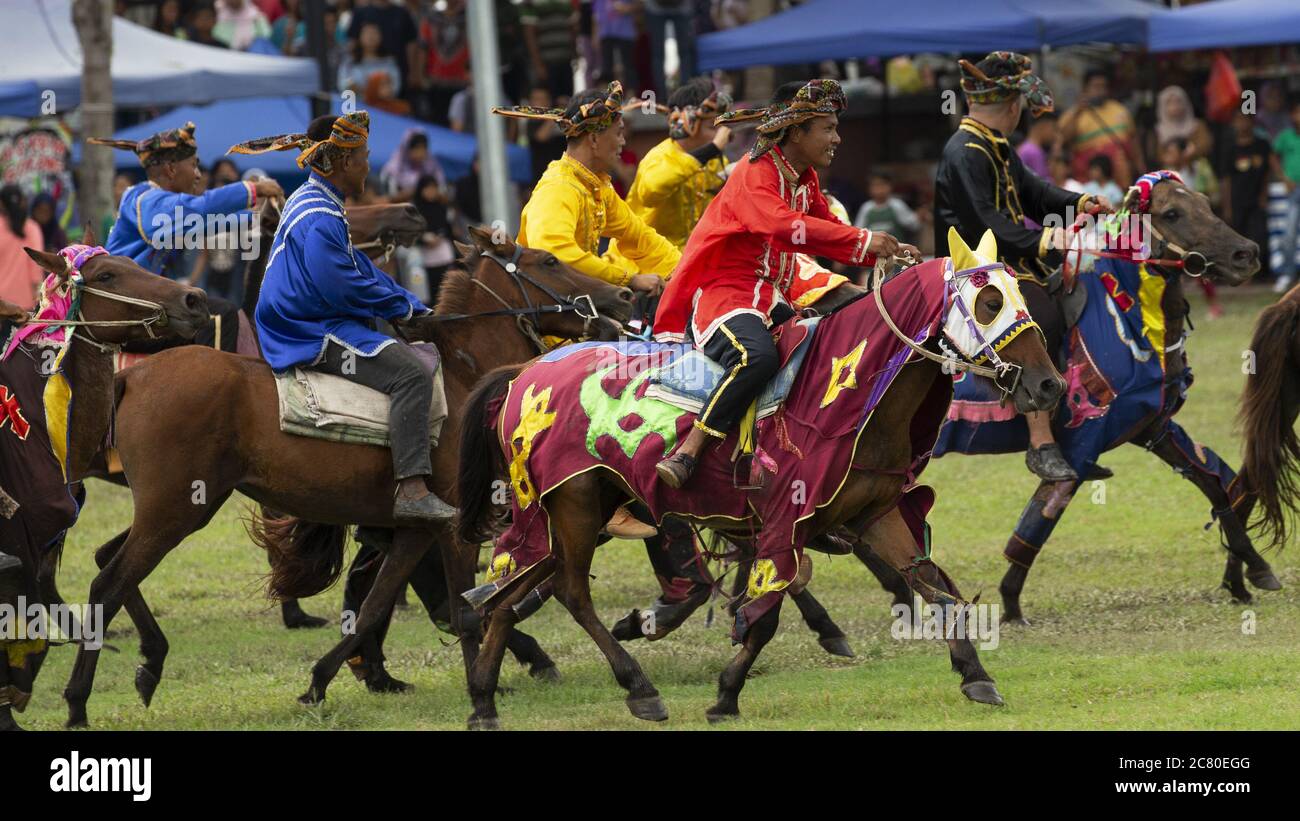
[(1129, 627)]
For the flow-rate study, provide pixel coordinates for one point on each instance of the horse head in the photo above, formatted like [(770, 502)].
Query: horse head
[(986, 320), (569, 304), (120, 301), (381, 226), (1185, 226)]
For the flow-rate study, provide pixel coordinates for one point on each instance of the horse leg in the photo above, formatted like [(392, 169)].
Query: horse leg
[(829, 634), (576, 523), (734, 674), (890, 579), (153, 642), (893, 540), (1036, 524), (409, 546), (1172, 444), (485, 672), (368, 666)]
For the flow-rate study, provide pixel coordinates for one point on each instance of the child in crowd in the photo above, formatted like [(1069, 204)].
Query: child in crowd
[(885, 212), (1101, 179)]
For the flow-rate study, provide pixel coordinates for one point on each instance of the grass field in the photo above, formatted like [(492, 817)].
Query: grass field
[(1129, 629)]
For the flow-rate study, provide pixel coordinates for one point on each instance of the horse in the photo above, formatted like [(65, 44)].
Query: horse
[(482, 320), (568, 478), (115, 301), (1115, 329), (1270, 402)]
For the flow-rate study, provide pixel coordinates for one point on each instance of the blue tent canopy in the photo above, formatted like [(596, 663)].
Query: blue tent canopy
[(40, 54), (847, 29), (1227, 23), (221, 125)]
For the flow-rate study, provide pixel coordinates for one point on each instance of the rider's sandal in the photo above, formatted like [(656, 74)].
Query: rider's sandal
[(676, 469)]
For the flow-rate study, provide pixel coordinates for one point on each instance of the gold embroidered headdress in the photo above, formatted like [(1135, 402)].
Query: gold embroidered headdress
[(349, 131)]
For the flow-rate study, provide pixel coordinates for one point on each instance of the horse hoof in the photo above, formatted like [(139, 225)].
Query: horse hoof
[(76, 724), (312, 697), (484, 723), (1264, 580), (1016, 620), (837, 646), (305, 622), (145, 684), (717, 716), (388, 684), (649, 708), (984, 692), (549, 674)]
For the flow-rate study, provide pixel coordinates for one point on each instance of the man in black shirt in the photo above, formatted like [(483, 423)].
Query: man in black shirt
[(1245, 164), (982, 184)]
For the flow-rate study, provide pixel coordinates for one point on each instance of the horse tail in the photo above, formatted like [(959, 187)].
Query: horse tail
[(481, 460), (306, 557), (1271, 467)]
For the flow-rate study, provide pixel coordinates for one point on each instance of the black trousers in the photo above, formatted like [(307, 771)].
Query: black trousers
[(397, 372), (744, 348)]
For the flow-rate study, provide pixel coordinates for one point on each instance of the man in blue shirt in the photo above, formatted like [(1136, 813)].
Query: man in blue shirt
[(152, 216), (320, 294)]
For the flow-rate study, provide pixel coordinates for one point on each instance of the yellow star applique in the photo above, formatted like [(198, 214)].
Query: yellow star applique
[(844, 373)]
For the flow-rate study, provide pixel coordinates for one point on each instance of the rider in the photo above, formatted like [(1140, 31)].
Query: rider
[(738, 276), (982, 184), (678, 178), (319, 294), (164, 201)]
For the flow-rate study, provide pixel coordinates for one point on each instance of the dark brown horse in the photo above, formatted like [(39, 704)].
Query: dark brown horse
[(238, 445), (1270, 403), (157, 307), (579, 506)]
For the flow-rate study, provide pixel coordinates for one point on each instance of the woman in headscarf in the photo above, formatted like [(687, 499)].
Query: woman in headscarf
[(1175, 120), (19, 275), (411, 161), (436, 252)]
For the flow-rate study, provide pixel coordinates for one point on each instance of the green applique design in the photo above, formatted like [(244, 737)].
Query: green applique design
[(605, 411)]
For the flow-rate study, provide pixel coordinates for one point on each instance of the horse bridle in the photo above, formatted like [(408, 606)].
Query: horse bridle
[(583, 305), (1005, 375), (158, 317)]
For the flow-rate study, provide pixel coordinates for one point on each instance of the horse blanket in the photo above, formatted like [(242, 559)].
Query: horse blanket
[(586, 407)]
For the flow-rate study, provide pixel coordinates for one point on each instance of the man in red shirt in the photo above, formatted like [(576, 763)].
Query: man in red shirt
[(741, 271)]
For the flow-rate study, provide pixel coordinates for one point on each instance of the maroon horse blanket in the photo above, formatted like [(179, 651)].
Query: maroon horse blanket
[(585, 408)]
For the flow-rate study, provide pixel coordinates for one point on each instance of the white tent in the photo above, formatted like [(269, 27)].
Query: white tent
[(40, 53)]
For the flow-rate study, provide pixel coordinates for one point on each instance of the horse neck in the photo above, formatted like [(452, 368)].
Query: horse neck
[(89, 372), (471, 348), (1173, 304), (886, 443)]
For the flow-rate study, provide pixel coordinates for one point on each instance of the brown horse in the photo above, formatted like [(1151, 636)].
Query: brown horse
[(1270, 403), (238, 445), (865, 502), (119, 302)]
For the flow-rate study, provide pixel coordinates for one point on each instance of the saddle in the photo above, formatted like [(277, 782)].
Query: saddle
[(323, 406), (690, 378)]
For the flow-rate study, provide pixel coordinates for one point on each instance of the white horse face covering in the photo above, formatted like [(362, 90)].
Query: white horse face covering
[(1007, 325)]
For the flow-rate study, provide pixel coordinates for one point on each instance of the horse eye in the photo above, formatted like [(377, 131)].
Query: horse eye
[(1170, 215), (552, 261), (107, 276)]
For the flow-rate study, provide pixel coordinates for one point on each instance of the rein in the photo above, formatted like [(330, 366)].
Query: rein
[(158, 317), (1005, 375)]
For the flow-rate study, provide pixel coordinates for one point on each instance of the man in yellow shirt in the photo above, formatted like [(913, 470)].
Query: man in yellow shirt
[(572, 207), (678, 178)]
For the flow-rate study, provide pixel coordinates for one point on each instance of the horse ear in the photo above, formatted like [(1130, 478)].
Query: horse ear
[(988, 247), (53, 263), (465, 249), (88, 236), (495, 239), (959, 251)]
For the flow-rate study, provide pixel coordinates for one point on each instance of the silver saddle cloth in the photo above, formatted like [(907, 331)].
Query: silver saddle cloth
[(324, 406)]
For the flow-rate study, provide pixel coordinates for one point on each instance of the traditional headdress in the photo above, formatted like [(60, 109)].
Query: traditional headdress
[(818, 98), (349, 131), (173, 145), (592, 117), (1013, 77), (684, 121)]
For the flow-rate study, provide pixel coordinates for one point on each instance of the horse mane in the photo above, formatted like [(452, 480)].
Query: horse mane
[(455, 292), (1271, 466)]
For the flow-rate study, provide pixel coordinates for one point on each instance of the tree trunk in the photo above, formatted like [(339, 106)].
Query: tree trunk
[(94, 22)]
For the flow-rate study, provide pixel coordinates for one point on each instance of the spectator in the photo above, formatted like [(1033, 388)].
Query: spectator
[(44, 210), (461, 111), (1034, 150), (469, 205), (1101, 179), (20, 277), (368, 57), (1176, 121), (658, 14), (239, 23), (1245, 164), (616, 28), (1198, 175), (288, 31), (202, 22), (218, 267), (168, 19), (1060, 166), (549, 35), (381, 94), (1273, 117), (273, 9), (410, 162), (886, 212), (446, 57), (1099, 125), (435, 252), (1287, 146), (399, 39), (545, 140)]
